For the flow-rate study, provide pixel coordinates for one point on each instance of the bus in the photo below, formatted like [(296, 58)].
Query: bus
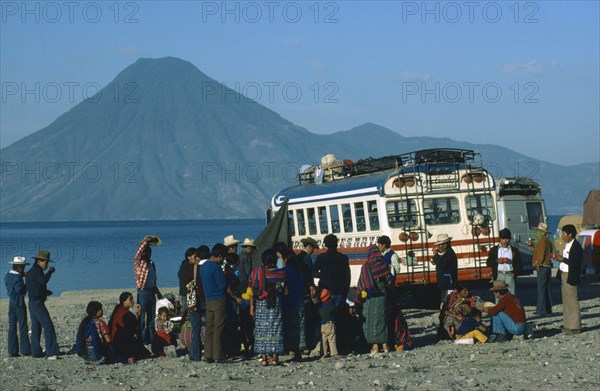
[(412, 198)]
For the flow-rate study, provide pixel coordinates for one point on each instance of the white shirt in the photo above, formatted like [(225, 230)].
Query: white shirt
[(505, 253), (564, 267), (394, 262)]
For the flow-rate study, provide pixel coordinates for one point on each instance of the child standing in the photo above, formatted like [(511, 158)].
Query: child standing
[(17, 310), (93, 336), (162, 336), (327, 314)]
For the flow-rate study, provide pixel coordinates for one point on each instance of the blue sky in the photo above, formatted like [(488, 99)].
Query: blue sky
[(524, 75)]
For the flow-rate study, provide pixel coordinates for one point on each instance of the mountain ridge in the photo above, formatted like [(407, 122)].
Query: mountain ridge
[(165, 141)]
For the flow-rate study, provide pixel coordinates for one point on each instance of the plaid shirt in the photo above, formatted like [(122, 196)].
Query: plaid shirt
[(140, 266)]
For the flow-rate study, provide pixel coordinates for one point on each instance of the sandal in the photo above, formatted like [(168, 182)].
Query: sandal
[(263, 361), (274, 361)]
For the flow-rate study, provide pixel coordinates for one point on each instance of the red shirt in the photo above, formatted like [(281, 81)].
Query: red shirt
[(511, 305)]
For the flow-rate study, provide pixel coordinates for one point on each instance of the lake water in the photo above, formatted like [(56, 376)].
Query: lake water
[(99, 255)]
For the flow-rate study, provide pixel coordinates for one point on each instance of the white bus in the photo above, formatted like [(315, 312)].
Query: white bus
[(411, 198)]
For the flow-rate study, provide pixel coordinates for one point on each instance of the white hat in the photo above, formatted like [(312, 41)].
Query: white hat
[(248, 243), (230, 241), (443, 238), (19, 261)]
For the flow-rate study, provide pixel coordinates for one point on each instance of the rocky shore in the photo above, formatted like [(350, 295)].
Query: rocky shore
[(550, 360)]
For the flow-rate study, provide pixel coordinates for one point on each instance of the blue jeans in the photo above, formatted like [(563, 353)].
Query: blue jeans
[(18, 314), (544, 299), (40, 318), (503, 324), (196, 348), (147, 300)]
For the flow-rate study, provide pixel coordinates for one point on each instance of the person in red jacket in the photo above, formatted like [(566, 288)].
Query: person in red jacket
[(508, 315)]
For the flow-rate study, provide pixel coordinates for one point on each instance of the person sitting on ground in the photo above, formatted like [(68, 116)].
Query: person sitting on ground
[(93, 336), (124, 327), (163, 328), (454, 311), (508, 315), (471, 328)]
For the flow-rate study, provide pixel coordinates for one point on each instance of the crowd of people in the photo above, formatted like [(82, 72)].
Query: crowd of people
[(231, 307)]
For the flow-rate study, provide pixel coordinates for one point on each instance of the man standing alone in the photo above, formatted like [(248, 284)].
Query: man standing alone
[(570, 270), (40, 318), (542, 256)]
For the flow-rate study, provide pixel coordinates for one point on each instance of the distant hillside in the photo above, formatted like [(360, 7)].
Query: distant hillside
[(176, 144)]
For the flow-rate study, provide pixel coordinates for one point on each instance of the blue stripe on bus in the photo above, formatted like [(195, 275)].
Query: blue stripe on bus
[(338, 186)]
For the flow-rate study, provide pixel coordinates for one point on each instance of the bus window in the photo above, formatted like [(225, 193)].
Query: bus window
[(312, 221), (335, 219), (347, 215), (481, 204), (373, 215), (535, 214), (323, 220), (292, 228), (300, 220), (401, 214), (438, 211), (359, 212)]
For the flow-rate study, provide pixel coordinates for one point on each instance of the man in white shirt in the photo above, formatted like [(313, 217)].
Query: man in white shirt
[(570, 272), (505, 261), (390, 257)]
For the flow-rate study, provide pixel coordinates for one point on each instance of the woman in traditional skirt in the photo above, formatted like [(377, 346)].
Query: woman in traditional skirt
[(454, 311), (293, 303), (268, 285), (373, 285)]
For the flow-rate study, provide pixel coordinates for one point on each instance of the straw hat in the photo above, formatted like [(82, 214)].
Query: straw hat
[(498, 285), (542, 227), (230, 241), (442, 238), (19, 261), (248, 243), (152, 240)]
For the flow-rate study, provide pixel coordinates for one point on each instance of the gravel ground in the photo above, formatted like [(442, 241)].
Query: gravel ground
[(550, 360)]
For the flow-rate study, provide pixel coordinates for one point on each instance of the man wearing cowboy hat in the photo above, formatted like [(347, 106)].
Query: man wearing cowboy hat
[(508, 315), (505, 261), (245, 265), (17, 310), (446, 265), (542, 258), (145, 281), (231, 243), (40, 318)]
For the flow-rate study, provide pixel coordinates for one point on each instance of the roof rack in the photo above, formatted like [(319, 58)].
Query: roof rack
[(439, 155)]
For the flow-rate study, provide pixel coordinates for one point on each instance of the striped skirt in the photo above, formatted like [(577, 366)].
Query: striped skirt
[(268, 328), (375, 327)]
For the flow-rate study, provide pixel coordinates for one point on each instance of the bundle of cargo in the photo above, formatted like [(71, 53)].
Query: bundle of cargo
[(332, 168)]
